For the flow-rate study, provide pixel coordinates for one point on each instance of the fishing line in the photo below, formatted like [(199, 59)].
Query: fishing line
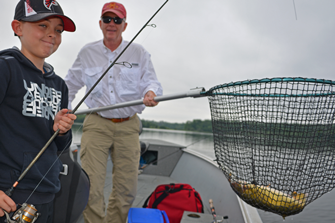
[(295, 11), (149, 33), (156, 161), (9, 192), (67, 145), (199, 140)]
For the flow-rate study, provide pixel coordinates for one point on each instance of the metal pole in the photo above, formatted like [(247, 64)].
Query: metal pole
[(191, 93)]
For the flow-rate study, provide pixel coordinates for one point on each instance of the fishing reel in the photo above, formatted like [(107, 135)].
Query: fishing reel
[(26, 214)]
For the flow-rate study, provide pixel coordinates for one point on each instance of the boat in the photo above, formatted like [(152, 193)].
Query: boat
[(175, 163)]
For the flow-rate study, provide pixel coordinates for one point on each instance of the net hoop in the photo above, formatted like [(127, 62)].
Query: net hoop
[(274, 140)]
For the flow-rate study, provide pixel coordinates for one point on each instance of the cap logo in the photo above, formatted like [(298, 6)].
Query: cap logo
[(112, 6), (29, 10), (49, 3)]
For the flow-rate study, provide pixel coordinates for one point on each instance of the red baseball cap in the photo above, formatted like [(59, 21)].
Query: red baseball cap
[(116, 8)]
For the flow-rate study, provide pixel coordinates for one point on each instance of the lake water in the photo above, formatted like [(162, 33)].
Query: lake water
[(320, 211)]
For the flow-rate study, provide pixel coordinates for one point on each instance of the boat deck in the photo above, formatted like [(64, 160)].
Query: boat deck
[(146, 185), (174, 164)]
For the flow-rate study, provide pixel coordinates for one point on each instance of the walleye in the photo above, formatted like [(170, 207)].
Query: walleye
[(270, 199)]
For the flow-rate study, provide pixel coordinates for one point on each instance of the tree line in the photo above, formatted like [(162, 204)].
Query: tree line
[(196, 125)]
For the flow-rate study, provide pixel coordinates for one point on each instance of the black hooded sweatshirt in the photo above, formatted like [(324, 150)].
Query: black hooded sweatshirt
[(29, 101)]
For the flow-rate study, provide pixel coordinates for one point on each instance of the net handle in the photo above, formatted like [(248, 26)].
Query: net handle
[(195, 93)]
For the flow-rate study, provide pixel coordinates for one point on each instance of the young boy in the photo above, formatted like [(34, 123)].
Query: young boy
[(33, 102)]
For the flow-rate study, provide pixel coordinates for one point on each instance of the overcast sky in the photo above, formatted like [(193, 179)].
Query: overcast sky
[(206, 43)]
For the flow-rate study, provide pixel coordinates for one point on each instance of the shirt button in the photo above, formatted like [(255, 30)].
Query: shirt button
[(111, 91)]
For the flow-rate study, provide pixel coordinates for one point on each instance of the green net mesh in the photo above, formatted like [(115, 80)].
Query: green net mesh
[(274, 140)]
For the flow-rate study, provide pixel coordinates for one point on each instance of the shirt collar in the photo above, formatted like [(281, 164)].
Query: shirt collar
[(117, 50)]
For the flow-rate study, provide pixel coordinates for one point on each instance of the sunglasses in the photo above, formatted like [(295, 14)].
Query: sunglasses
[(108, 19)]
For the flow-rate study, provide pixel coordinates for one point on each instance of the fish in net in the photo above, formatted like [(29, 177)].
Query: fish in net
[(274, 140)]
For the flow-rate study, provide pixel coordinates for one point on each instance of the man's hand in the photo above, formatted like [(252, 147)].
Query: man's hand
[(63, 121), (149, 99), (6, 203)]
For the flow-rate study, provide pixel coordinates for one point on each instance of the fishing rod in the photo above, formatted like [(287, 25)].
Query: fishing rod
[(211, 206), (10, 191), (295, 11)]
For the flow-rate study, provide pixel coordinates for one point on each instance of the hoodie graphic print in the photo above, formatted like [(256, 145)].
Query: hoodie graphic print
[(41, 101), (29, 102)]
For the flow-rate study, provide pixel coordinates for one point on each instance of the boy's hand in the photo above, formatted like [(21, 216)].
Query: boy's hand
[(63, 121), (6, 203)]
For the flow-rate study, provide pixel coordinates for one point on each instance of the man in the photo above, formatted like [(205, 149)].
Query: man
[(115, 131)]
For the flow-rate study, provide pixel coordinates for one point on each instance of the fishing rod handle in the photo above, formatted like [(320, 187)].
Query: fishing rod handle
[(211, 205), (9, 192)]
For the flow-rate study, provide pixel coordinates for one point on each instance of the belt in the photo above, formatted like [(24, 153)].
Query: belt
[(117, 120)]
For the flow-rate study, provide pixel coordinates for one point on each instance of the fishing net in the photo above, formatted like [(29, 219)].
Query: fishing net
[(274, 140)]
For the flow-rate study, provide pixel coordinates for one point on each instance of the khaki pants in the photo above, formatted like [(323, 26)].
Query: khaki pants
[(101, 136)]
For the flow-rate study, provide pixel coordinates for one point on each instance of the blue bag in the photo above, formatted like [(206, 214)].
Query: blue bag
[(147, 215)]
